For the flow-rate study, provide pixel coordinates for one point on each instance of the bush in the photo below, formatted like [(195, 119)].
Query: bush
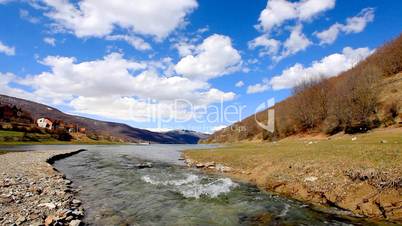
[(62, 135), (93, 136), (360, 127), (331, 125), (391, 110)]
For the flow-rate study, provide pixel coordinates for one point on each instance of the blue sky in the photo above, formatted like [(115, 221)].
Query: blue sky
[(170, 64)]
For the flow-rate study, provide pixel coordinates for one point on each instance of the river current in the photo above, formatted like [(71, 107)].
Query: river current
[(116, 191)]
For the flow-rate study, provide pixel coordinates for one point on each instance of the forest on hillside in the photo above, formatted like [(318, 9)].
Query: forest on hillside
[(364, 97)]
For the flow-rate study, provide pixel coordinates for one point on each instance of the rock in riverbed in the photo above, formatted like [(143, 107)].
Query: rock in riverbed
[(75, 223), (144, 165)]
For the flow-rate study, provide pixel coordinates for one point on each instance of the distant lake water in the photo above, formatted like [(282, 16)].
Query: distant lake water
[(115, 191)]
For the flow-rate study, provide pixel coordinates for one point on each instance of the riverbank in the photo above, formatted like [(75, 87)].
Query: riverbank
[(32, 192), (23, 138), (60, 143), (358, 173)]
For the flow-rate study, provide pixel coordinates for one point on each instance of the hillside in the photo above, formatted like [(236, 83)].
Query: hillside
[(186, 136), (101, 128), (365, 97)]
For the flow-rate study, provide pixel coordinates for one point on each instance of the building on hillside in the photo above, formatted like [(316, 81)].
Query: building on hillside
[(44, 123), (71, 128), (6, 113), (58, 124), (14, 114)]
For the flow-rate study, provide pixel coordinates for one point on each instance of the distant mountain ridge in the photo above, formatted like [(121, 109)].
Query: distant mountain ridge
[(104, 128), (186, 136)]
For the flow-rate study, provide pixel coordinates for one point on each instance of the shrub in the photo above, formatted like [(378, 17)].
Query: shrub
[(62, 135), (392, 109), (331, 125)]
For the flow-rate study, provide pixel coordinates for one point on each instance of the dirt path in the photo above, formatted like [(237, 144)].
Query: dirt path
[(32, 192)]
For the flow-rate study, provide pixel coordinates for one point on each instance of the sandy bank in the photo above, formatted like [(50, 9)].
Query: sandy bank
[(32, 192)]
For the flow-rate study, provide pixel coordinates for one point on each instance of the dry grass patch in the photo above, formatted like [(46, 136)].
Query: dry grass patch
[(361, 173), (378, 149)]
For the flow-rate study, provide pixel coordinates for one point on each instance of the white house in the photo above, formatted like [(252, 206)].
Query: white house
[(44, 123)]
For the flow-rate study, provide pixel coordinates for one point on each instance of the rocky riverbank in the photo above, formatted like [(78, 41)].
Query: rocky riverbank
[(361, 174), (32, 192), (355, 195)]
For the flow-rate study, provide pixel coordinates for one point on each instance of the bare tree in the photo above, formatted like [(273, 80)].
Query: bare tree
[(354, 100), (310, 103)]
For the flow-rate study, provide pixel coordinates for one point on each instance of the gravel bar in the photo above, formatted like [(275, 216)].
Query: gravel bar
[(32, 192)]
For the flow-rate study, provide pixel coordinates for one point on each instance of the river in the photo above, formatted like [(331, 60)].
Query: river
[(115, 191)]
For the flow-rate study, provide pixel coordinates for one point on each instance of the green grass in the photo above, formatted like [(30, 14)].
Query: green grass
[(3, 152), (15, 138), (4, 133), (58, 143), (366, 151)]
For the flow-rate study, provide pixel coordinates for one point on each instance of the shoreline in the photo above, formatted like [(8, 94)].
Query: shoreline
[(380, 211), (22, 143), (357, 173), (33, 192)]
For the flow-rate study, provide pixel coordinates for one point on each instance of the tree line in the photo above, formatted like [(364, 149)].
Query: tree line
[(348, 102)]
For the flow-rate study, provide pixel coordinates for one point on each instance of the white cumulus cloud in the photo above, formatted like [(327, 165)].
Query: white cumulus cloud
[(259, 87), (184, 48), (279, 11), (25, 15), (295, 43), (5, 86), (100, 17), (268, 45), (214, 57), (8, 50), (354, 24), (136, 42), (328, 66), (239, 84), (50, 41), (120, 88)]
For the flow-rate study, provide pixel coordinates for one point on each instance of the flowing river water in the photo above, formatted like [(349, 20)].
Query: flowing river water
[(115, 191)]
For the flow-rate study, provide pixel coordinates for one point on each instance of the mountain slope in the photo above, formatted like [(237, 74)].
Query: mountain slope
[(186, 136), (364, 97), (103, 128)]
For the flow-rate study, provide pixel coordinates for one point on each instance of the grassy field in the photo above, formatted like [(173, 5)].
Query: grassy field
[(379, 149), (59, 143), (4, 133), (16, 138), (361, 173)]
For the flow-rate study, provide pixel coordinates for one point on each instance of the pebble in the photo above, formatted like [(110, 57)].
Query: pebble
[(76, 201), (78, 213), (310, 179), (75, 223), (199, 165), (20, 220), (49, 220), (50, 206)]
